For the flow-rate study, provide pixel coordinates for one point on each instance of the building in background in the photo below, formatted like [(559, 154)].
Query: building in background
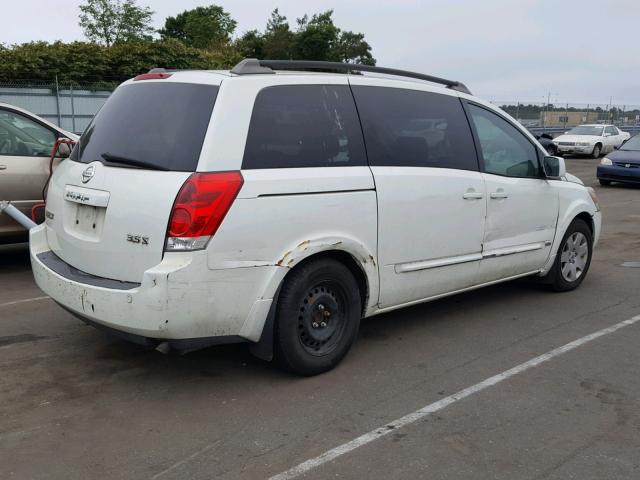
[(563, 119)]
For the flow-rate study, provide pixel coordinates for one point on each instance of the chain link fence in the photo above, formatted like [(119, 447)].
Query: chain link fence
[(70, 106)]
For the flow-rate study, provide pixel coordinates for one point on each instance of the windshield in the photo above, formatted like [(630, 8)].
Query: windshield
[(586, 130), (150, 125), (632, 144)]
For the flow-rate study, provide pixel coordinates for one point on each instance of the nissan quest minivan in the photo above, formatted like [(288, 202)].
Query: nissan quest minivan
[(276, 206)]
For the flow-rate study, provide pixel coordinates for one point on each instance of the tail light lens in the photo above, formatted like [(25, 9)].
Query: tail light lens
[(200, 206)]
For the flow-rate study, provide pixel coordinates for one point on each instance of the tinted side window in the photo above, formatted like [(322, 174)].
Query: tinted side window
[(505, 150), (415, 129), (304, 126)]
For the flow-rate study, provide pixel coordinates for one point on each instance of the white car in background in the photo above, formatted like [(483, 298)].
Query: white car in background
[(593, 140)]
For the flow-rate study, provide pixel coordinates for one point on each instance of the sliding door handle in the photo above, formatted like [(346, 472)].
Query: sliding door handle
[(500, 193)]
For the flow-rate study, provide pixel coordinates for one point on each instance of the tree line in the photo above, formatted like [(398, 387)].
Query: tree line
[(122, 43), (534, 111)]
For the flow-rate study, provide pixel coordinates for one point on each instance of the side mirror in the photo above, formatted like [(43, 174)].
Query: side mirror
[(554, 167), (64, 150)]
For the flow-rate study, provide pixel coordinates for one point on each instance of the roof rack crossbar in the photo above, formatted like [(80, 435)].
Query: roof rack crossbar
[(251, 65)]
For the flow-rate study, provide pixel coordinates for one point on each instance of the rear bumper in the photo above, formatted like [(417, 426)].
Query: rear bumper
[(178, 299), (619, 174)]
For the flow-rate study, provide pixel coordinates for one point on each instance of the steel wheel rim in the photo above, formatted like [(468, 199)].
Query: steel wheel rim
[(322, 318), (574, 257)]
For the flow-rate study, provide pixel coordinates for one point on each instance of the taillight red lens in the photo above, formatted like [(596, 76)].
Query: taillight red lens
[(202, 203)]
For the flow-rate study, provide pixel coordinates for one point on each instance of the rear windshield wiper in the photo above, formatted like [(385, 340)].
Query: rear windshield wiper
[(111, 158)]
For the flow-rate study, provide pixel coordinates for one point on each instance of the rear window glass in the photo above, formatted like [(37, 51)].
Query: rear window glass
[(159, 124), (412, 128), (304, 126)]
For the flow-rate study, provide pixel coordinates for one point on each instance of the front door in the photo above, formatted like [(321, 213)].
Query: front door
[(522, 206)]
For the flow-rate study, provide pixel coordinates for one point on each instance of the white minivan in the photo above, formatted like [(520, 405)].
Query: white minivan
[(276, 206)]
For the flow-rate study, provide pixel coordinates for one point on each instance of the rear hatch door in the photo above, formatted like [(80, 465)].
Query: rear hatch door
[(108, 206)]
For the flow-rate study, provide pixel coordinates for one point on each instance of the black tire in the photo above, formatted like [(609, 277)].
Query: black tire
[(604, 183), (320, 290), (559, 281), (597, 151)]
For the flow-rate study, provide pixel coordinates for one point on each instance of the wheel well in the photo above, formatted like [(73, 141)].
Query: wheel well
[(598, 143), (347, 260), (587, 219)]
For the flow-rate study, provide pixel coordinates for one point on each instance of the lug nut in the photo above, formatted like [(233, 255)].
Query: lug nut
[(323, 324), (314, 324)]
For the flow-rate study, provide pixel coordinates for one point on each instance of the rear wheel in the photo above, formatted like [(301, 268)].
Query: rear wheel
[(317, 317), (604, 183), (597, 150), (573, 258)]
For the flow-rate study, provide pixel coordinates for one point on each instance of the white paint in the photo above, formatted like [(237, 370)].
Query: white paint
[(184, 461), (16, 302), (443, 403)]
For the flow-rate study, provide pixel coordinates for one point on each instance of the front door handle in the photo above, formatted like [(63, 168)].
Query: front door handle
[(500, 193), (471, 194), (3, 167)]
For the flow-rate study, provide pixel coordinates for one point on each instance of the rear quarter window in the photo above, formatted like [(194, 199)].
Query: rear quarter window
[(296, 126), (163, 124)]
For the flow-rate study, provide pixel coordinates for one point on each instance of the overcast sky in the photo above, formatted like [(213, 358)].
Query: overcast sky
[(579, 50)]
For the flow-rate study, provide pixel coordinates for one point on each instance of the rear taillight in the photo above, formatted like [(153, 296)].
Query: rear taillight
[(200, 206)]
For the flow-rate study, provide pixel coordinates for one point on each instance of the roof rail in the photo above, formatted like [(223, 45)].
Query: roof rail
[(253, 65)]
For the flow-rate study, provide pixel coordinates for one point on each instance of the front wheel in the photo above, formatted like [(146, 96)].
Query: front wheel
[(604, 183), (597, 150), (573, 258), (317, 317)]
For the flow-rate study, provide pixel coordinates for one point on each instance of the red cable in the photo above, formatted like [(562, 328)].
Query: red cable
[(54, 150)]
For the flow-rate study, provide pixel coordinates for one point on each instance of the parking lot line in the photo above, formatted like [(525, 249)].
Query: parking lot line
[(427, 410), (16, 302)]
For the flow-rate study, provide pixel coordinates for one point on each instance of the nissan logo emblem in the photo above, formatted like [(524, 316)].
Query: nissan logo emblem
[(88, 173)]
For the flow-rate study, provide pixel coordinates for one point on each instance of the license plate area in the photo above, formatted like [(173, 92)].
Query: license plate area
[(85, 211), (85, 221)]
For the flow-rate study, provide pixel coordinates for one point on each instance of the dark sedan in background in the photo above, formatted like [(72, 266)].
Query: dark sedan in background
[(622, 165), (546, 140)]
